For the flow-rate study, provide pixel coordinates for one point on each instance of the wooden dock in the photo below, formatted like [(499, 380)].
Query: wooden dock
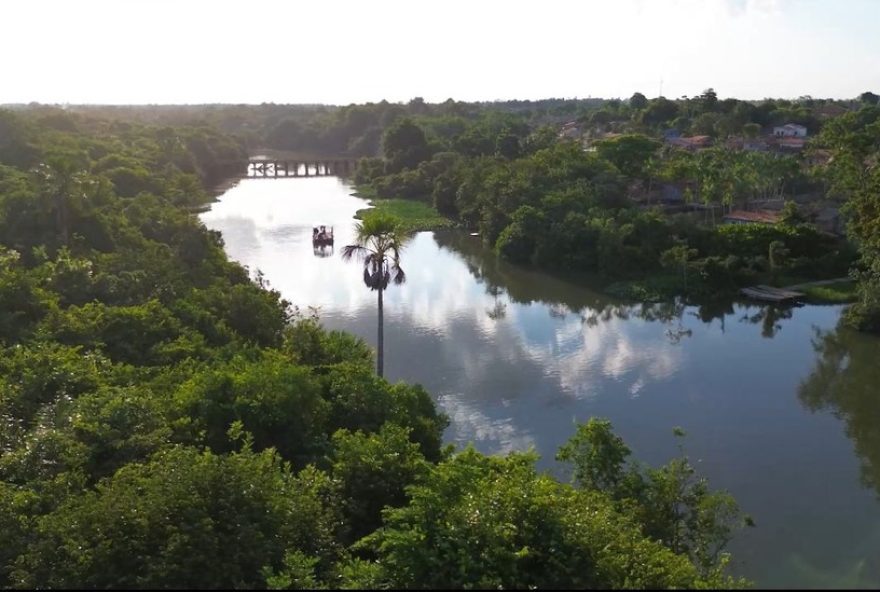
[(771, 294)]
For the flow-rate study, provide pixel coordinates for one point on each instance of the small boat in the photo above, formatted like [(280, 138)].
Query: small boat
[(321, 237)]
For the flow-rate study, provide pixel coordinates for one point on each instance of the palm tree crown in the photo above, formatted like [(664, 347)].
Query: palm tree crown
[(378, 242)]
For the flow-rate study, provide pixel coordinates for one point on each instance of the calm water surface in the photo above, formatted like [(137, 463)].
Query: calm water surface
[(781, 407)]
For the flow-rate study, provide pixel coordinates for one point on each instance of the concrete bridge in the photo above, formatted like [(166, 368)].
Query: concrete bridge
[(273, 169)]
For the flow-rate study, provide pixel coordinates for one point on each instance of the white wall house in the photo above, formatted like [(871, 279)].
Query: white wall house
[(790, 130)]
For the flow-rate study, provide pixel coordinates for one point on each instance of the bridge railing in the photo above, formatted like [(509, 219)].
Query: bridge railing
[(261, 168)]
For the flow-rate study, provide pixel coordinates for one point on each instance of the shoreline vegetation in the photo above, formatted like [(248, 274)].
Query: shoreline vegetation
[(413, 216), (652, 288), (841, 292)]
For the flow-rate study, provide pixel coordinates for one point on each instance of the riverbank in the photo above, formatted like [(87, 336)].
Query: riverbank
[(663, 287), (416, 216), (836, 292), (222, 187)]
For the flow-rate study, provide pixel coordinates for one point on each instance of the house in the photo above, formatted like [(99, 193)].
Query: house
[(790, 130), (758, 217), (692, 143), (790, 143), (570, 129)]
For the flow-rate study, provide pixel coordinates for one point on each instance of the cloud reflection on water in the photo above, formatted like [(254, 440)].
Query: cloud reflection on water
[(510, 356)]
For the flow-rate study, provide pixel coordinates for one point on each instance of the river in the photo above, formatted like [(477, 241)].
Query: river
[(780, 406)]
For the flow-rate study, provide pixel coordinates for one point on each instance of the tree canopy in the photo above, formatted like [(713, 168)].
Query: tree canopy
[(167, 421)]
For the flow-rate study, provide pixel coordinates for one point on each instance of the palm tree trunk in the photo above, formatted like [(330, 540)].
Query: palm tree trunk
[(380, 353)]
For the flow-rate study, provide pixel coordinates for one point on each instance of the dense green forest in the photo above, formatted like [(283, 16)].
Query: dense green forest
[(166, 420), (503, 170), (587, 205)]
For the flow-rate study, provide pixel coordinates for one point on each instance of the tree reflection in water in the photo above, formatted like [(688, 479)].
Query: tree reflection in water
[(846, 382), (769, 316), (563, 297), (499, 310)]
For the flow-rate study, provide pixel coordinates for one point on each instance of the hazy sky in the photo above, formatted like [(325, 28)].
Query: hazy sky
[(334, 51)]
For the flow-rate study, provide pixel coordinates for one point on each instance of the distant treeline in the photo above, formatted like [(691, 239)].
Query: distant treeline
[(356, 130)]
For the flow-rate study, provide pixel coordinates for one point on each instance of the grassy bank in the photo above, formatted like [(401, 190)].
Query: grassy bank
[(836, 293), (416, 215)]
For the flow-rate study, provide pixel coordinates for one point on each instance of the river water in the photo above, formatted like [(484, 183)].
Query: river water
[(780, 406)]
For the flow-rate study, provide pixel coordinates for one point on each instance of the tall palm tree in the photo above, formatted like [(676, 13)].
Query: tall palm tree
[(379, 239)]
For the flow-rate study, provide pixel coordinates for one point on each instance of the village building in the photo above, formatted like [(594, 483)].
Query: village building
[(790, 130), (571, 130), (790, 143)]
